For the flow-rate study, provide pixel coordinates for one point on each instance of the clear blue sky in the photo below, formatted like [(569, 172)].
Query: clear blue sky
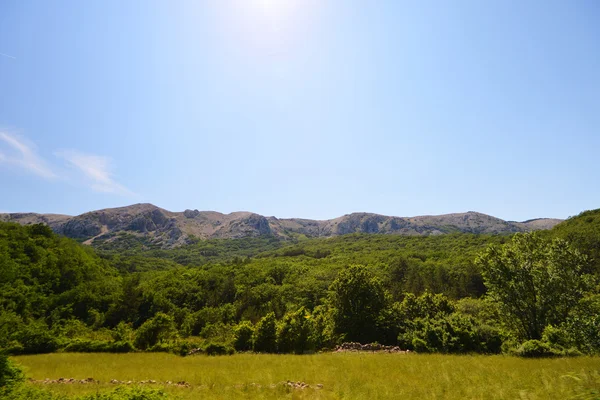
[(301, 108)]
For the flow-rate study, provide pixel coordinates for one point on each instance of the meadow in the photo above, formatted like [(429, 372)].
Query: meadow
[(342, 375)]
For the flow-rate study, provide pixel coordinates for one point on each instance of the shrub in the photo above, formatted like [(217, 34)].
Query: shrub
[(556, 337), (123, 393), (242, 334), (154, 331), (179, 347), (123, 332), (535, 349), (182, 347), (454, 333), (36, 339), (10, 374), (218, 349), (294, 333), (265, 335)]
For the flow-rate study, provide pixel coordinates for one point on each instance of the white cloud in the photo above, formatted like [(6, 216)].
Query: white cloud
[(24, 155), (96, 170)]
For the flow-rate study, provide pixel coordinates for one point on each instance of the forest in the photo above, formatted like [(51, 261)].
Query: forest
[(532, 295)]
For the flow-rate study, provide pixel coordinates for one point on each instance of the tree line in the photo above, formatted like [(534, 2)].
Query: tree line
[(529, 294)]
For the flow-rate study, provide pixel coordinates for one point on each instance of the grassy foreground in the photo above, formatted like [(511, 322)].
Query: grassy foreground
[(343, 375)]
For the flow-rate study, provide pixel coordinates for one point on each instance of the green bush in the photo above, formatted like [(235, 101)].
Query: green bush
[(583, 325), (123, 393), (218, 349), (155, 330), (179, 347), (294, 333), (29, 392), (536, 349), (10, 374), (455, 333), (242, 334), (37, 339), (265, 335), (123, 332)]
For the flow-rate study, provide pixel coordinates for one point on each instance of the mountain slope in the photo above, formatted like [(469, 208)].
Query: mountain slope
[(163, 228)]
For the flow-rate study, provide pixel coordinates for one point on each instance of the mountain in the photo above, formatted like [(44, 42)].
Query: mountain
[(157, 226)]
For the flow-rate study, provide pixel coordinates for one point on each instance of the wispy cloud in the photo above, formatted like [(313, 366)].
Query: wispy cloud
[(9, 56), (23, 153), (96, 170)]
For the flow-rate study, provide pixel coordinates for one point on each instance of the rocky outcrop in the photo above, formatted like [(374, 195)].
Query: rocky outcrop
[(191, 213), (168, 229), (251, 225), (80, 228)]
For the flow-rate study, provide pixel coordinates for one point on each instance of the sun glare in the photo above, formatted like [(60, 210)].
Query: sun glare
[(273, 6), (274, 12)]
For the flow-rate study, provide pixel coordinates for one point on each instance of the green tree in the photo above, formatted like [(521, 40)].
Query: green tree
[(155, 330), (242, 334), (10, 374), (265, 334), (357, 300), (535, 281), (295, 332)]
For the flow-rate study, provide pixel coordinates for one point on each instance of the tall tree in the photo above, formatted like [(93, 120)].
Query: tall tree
[(535, 281), (357, 299)]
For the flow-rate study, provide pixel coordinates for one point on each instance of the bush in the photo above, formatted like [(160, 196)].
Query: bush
[(242, 334), (536, 349), (583, 325), (265, 335), (182, 347), (27, 392), (10, 374), (218, 349), (123, 332), (556, 337), (454, 333), (123, 393), (294, 333), (36, 339), (154, 331)]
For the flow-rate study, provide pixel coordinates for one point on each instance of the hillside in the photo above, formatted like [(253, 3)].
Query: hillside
[(155, 226)]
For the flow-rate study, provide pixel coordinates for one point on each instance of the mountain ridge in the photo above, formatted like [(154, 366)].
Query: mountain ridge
[(166, 228)]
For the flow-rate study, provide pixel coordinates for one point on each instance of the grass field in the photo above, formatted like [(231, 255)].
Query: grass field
[(343, 375)]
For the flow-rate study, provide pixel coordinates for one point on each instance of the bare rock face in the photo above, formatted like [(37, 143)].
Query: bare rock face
[(191, 213), (170, 229), (80, 228), (251, 225)]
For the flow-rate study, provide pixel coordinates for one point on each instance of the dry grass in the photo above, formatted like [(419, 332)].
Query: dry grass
[(343, 375)]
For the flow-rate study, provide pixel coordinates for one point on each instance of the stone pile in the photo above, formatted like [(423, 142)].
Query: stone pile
[(71, 381), (300, 385), (150, 382), (65, 381), (286, 384), (371, 347)]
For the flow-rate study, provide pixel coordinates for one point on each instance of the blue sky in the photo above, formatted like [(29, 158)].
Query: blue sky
[(301, 108)]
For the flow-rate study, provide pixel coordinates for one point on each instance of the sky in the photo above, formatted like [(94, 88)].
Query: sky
[(301, 108)]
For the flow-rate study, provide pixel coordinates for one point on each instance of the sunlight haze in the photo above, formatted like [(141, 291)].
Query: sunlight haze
[(309, 109)]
